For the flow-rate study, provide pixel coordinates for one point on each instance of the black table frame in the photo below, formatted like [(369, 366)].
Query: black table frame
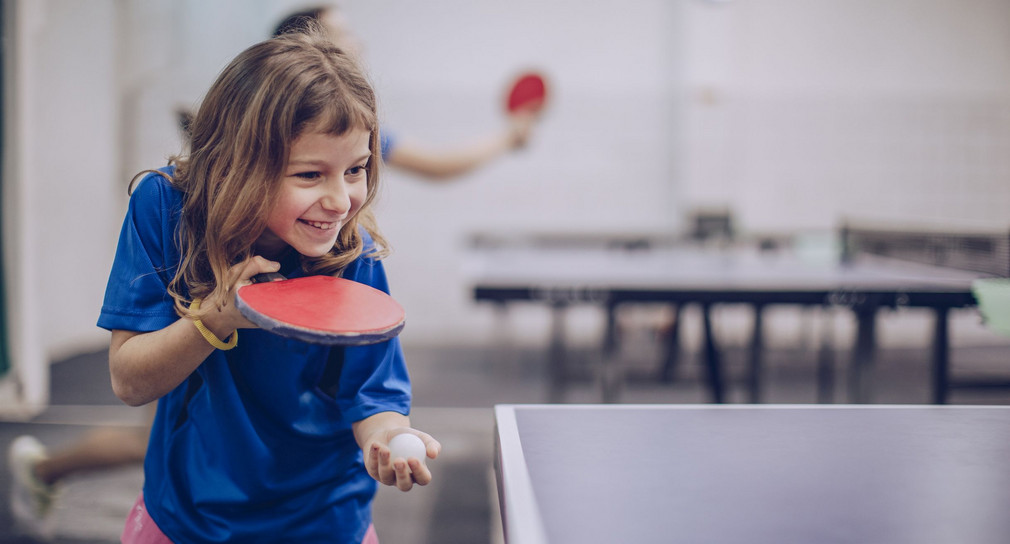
[(864, 303)]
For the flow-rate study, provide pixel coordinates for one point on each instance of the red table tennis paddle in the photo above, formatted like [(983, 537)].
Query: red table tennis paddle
[(527, 93), (321, 309)]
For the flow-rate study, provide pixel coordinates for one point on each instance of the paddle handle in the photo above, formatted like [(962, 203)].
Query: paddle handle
[(267, 277)]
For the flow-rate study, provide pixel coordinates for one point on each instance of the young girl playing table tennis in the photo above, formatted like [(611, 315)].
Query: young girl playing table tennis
[(254, 438)]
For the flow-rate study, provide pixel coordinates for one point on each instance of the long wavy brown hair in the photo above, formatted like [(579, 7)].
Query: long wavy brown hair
[(241, 137)]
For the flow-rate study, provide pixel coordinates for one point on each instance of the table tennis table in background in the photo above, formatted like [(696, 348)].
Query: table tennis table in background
[(753, 473), (877, 269)]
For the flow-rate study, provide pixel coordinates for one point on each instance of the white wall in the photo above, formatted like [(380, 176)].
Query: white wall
[(801, 113), (58, 200), (793, 113)]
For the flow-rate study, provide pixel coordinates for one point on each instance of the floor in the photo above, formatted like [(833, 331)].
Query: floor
[(455, 389)]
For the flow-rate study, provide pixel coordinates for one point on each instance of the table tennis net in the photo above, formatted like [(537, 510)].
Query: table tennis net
[(982, 252)]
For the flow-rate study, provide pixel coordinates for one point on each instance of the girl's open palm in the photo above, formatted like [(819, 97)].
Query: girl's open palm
[(401, 473)]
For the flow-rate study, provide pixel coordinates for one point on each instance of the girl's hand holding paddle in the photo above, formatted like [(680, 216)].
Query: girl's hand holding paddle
[(228, 318)]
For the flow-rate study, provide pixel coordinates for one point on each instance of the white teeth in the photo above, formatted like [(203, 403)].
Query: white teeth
[(320, 225)]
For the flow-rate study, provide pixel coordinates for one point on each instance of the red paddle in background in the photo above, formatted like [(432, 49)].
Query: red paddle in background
[(321, 309), (528, 93)]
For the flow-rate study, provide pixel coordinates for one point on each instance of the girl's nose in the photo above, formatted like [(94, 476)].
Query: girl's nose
[(336, 198)]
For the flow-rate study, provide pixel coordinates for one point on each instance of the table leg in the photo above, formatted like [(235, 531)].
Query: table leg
[(864, 353), (504, 349), (671, 348), (825, 362), (941, 356), (756, 354), (557, 364), (611, 374), (713, 365)]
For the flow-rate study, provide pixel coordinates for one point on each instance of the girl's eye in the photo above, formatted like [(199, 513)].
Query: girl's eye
[(308, 175), (356, 171)]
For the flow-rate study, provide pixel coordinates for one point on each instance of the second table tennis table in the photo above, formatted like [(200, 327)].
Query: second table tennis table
[(610, 277)]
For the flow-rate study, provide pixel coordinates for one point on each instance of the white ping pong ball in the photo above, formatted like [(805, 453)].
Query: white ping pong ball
[(407, 445)]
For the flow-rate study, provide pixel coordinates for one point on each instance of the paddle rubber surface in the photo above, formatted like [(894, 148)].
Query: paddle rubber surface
[(322, 310), (529, 92)]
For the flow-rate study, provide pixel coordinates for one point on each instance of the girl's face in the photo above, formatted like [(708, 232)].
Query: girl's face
[(324, 186)]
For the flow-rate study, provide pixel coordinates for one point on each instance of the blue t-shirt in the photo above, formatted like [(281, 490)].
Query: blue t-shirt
[(251, 447)]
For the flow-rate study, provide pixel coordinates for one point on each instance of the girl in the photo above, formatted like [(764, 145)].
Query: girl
[(259, 437)]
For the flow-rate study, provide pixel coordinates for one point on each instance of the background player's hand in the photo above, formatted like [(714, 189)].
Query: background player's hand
[(520, 127), (403, 473)]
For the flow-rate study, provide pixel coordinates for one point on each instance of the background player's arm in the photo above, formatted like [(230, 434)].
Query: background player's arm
[(446, 164)]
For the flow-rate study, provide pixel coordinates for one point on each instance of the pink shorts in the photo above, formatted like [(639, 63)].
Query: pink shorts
[(141, 529)]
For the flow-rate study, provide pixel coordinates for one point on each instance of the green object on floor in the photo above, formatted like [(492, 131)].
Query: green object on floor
[(993, 296)]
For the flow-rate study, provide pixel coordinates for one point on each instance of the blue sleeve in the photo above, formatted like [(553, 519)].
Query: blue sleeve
[(386, 142), (374, 377), (136, 297)]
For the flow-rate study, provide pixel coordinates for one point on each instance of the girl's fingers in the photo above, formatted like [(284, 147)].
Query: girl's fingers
[(253, 266), (387, 474), (432, 447), (378, 466), (404, 479), (420, 472), (238, 276), (372, 461)]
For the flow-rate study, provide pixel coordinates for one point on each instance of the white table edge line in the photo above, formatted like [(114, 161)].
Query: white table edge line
[(820, 407), (520, 501)]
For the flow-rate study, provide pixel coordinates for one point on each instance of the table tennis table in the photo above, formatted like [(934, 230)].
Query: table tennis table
[(609, 276), (753, 473)]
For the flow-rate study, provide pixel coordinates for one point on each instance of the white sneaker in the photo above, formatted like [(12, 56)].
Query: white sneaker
[(31, 500)]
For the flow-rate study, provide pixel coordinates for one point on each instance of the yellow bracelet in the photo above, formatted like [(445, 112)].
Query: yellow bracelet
[(210, 337)]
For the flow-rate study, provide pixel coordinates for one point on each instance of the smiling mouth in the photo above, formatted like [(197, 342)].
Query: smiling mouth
[(320, 225)]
